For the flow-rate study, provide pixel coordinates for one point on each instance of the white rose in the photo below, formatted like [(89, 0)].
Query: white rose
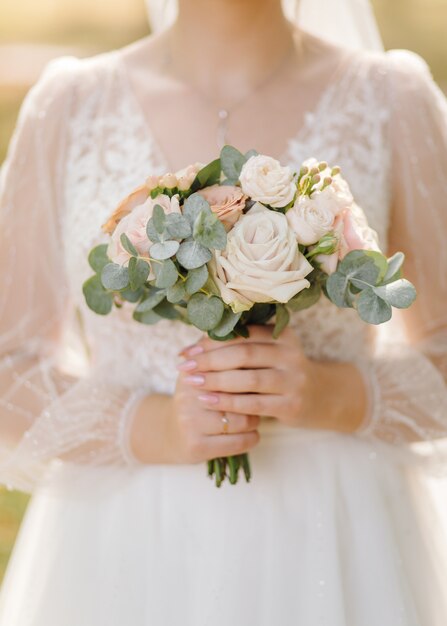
[(310, 219), (337, 195), (265, 180), (261, 262)]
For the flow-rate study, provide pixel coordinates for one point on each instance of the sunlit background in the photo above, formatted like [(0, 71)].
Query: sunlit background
[(34, 31)]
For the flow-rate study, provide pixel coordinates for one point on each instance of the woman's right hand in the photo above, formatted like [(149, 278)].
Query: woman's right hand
[(179, 429)]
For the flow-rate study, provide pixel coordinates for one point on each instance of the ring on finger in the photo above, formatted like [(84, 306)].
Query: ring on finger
[(225, 424)]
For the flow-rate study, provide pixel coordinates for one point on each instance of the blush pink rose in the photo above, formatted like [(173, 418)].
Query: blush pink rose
[(226, 201), (134, 225), (351, 227)]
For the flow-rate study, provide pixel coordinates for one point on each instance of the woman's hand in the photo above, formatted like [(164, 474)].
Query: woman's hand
[(273, 377), (181, 429)]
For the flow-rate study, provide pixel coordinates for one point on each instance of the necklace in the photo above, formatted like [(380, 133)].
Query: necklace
[(224, 112)]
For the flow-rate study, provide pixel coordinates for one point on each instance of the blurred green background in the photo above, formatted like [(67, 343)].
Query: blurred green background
[(34, 31)]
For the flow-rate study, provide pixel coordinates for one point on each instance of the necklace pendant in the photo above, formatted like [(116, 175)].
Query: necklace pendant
[(222, 128)]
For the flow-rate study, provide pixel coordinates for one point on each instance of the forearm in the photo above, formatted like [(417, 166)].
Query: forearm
[(337, 397), (150, 437)]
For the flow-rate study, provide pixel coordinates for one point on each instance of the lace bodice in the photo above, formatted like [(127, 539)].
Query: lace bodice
[(82, 143)]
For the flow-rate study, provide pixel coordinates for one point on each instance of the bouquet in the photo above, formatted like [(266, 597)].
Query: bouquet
[(241, 241)]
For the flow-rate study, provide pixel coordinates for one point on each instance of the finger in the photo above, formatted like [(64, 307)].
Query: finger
[(213, 424), (265, 381), (245, 404), (228, 445), (263, 334), (237, 356)]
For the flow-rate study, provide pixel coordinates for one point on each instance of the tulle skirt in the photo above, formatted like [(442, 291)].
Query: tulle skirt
[(332, 530)]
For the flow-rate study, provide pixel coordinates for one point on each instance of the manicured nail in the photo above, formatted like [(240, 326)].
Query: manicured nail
[(194, 350), (209, 398), (187, 366), (194, 380)]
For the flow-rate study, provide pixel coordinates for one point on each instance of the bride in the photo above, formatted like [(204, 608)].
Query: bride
[(108, 422)]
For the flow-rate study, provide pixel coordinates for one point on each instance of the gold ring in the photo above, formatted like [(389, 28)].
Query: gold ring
[(225, 425)]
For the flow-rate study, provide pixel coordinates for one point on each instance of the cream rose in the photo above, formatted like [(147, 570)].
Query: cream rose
[(261, 262), (134, 225), (310, 219), (265, 180), (226, 201)]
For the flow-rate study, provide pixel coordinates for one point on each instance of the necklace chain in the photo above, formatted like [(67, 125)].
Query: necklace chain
[(224, 113)]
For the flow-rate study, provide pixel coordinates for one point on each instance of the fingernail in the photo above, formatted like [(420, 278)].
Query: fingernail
[(209, 398), (194, 350), (187, 366), (194, 380)]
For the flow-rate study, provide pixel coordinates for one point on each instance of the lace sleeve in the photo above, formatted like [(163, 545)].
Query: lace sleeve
[(408, 375), (44, 413)]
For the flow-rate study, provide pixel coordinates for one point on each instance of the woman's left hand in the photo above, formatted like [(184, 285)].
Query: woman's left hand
[(273, 377)]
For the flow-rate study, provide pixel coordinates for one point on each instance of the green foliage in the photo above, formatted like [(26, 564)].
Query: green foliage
[(128, 245), (98, 258), (305, 298), (370, 283), (177, 293), (207, 176), (281, 321), (153, 297), (164, 250), (224, 329), (138, 272), (205, 312), (165, 274), (98, 299), (192, 255), (209, 231), (196, 279), (115, 277), (232, 162)]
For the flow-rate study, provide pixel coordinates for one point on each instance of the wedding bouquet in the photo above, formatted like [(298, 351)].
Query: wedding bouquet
[(240, 241)]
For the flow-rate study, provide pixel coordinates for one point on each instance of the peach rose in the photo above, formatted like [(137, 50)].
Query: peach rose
[(134, 225), (353, 232), (226, 201)]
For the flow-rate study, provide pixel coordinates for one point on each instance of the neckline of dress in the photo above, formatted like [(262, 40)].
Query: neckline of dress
[(309, 119)]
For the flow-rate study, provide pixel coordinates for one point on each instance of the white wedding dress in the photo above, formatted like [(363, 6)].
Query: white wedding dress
[(333, 530)]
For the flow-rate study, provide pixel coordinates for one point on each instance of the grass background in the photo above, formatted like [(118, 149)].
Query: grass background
[(31, 31)]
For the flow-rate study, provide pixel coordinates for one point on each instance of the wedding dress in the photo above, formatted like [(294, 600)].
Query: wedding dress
[(336, 530)]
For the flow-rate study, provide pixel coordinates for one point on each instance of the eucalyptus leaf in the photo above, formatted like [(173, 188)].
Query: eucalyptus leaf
[(337, 286), (371, 308), (167, 310), (153, 298), (196, 279), (128, 245), (305, 298), (177, 292), (159, 219), (281, 320), (149, 317), (380, 261), (115, 277), (98, 258), (205, 313), (260, 313), (359, 264), (177, 226), (193, 206), (166, 274), (138, 272), (98, 299), (251, 153), (131, 295), (163, 250), (394, 270), (192, 255), (226, 324), (400, 294), (209, 231), (207, 176), (232, 162), (152, 233)]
